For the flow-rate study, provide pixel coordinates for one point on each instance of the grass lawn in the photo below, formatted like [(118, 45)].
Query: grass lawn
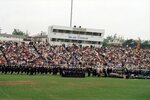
[(49, 87)]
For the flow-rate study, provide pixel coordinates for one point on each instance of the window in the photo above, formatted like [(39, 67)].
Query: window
[(100, 34), (94, 42), (66, 40), (79, 41), (88, 42), (95, 34), (53, 39), (68, 31), (60, 40), (55, 30), (74, 41), (99, 43), (61, 31), (75, 32), (88, 33), (82, 33)]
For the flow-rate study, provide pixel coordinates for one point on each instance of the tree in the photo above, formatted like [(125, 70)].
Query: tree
[(18, 32), (108, 40), (145, 44), (130, 43)]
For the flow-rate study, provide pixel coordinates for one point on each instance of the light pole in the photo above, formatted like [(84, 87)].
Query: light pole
[(71, 13)]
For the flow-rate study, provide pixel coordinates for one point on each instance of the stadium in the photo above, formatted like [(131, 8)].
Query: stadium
[(31, 70), (73, 63)]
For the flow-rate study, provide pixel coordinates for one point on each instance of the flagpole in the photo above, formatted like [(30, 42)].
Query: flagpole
[(71, 13)]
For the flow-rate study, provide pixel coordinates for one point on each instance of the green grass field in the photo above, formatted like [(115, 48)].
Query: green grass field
[(49, 87)]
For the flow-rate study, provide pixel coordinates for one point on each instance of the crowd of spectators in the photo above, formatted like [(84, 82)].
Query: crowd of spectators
[(43, 54), (19, 53), (2, 59)]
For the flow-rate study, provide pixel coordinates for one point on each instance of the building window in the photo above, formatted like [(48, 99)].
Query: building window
[(55, 30), (75, 32), (88, 33), (66, 40), (53, 39), (82, 33), (94, 42), (61, 31), (100, 34), (68, 31), (95, 34), (80, 41), (99, 43)]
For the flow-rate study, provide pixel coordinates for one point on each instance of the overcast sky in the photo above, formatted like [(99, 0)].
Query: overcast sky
[(127, 18)]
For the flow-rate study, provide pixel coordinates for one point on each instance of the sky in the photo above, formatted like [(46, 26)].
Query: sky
[(126, 18)]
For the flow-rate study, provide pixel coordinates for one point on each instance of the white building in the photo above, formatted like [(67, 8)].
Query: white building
[(40, 38), (59, 35), (10, 37)]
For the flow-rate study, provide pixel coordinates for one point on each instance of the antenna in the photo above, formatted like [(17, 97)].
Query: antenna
[(71, 13)]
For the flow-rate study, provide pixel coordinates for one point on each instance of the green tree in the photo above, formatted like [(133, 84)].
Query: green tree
[(107, 40), (18, 32), (130, 43), (145, 44), (110, 39)]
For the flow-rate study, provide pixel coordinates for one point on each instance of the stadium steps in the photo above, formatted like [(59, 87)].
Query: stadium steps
[(4, 54), (39, 53)]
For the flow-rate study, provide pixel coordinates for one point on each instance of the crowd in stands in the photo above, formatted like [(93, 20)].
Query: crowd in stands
[(45, 58), (43, 54), (2, 59), (16, 53)]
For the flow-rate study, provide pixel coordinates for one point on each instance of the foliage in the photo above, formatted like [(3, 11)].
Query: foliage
[(110, 39), (145, 44), (129, 43), (18, 32), (125, 43), (107, 40)]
